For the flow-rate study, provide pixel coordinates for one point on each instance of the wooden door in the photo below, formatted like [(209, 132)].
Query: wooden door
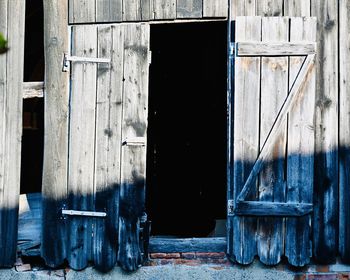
[(108, 107), (270, 194)]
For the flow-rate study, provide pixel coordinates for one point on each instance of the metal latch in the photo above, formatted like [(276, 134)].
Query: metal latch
[(83, 213), (230, 207), (145, 230), (135, 141), (67, 59)]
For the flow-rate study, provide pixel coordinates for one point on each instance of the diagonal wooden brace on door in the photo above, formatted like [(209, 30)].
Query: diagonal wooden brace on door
[(264, 208)]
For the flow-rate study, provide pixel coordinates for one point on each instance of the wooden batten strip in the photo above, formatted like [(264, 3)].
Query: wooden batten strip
[(267, 208), (275, 49)]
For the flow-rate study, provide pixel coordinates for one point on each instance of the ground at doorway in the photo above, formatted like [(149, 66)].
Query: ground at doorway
[(200, 271)]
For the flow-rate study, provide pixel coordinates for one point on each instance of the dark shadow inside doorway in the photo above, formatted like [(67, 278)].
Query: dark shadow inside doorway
[(186, 156)]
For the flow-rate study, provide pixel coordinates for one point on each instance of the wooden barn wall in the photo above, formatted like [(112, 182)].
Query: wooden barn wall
[(331, 226), (331, 216), (89, 11), (12, 13)]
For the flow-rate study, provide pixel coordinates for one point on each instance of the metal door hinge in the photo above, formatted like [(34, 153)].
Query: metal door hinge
[(230, 207), (83, 213), (67, 59), (150, 57), (135, 141), (145, 230), (232, 49)]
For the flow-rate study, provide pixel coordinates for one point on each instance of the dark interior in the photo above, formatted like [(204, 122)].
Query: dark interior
[(33, 108), (186, 167)]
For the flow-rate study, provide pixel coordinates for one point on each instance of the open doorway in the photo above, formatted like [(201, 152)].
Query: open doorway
[(33, 108), (186, 156), (29, 222)]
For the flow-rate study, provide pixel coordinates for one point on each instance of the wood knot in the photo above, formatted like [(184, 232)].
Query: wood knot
[(329, 24)]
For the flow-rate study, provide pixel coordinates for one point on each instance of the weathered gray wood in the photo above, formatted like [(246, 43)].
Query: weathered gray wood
[(54, 184), (81, 145), (33, 90), (82, 11), (182, 245), (109, 10), (108, 144), (344, 131), (164, 9), (147, 11), (269, 8), (274, 90), (189, 8), (133, 162), (275, 49), (242, 8), (246, 135), (215, 8), (325, 218), (131, 10), (12, 17), (292, 8), (301, 145), (295, 93), (297, 8), (266, 208)]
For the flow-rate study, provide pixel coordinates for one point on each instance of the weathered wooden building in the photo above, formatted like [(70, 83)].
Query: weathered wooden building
[(224, 122)]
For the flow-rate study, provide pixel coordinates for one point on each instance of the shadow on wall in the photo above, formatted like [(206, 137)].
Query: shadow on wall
[(102, 240), (115, 238)]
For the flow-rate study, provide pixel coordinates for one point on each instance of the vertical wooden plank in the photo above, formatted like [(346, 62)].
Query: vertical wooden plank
[(246, 136), (242, 8), (133, 163), (108, 143), (274, 90), (297, 8), (12, 20), (109, 10), (325, 215), (215, 8), (269, 8), (81, 145), (3, 91), (131, 10), (344, 131), (189, 8), (301, 144), (147, 12), (82, 11), (164, 9), (54, 184)]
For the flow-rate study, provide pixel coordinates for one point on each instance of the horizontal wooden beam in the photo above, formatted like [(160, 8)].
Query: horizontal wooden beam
[(33, 89), (274, 49), (266, 208), (181, 245)]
